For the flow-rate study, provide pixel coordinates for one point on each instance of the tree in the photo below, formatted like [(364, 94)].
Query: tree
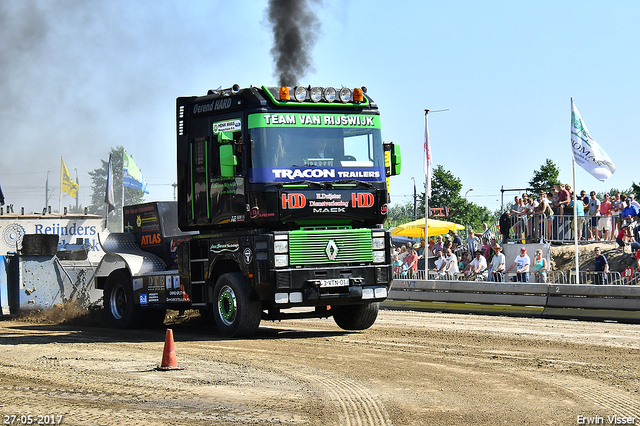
[(545, 178), (99, 186), (445, 192)]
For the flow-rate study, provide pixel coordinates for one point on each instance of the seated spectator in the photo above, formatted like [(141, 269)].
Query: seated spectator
[(440, 263), (451, 264), (497, 264), (622, 237), (478, 266)]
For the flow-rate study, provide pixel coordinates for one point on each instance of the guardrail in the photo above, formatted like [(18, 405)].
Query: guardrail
[(580, 301)]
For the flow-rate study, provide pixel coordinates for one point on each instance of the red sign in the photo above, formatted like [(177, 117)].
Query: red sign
[(293, 201), (362, 200)]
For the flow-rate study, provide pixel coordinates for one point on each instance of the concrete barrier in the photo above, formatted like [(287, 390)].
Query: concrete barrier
[(582, 301)]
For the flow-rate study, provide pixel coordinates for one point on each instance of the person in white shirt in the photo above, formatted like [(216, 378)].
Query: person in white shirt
[(451, 263), (478, 266), (521, 263), (498, 263)]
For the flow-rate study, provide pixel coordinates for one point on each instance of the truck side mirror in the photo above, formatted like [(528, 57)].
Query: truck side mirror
[(228, 160), (393, 159)]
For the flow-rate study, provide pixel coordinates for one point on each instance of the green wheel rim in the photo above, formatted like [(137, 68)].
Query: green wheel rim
[(227, 307)]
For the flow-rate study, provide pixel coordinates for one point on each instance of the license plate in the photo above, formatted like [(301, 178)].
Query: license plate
[(336, 282)]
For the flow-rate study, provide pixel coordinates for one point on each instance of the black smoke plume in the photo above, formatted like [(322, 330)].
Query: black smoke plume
[(295, 29)]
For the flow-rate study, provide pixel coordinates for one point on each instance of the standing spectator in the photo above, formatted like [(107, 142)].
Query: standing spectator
[(594, 214), (629, 212), (403, 253), (486, 248), (473, 242), (601, 267), (604, 225), (540, 267), (498, 264), (616, 209), (411, 263), (486, 232), (447, 243), (439, 245), (397, 265), (521, 263), (419, 247), (457, 241), (580, 217), (451, 264)]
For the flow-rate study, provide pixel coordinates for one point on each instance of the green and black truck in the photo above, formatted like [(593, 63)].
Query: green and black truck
[(281, 195)]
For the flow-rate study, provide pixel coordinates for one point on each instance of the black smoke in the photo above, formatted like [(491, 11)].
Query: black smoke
[(295, 28)]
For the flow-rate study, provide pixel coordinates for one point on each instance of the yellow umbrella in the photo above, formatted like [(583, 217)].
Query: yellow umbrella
[(416, 228)]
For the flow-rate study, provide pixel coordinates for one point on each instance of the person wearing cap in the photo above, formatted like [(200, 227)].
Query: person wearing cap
[(498, 264), (521, 263), (478, 266)]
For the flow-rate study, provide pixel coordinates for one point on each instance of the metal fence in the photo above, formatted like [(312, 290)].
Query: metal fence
[(551, 277), (559, 228)]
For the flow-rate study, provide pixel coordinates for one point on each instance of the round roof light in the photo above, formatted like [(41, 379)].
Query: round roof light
[(345, 95), (316, 94), (300, 93), (330, 94)]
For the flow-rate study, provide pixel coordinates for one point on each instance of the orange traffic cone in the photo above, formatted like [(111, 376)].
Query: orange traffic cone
[(169, 361)]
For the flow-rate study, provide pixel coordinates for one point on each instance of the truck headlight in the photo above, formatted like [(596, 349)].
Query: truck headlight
[(281, 246), (378, 243), (378, 257), (281, 260)]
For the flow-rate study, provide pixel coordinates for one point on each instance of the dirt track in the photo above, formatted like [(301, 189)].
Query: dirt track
[(409, 369)]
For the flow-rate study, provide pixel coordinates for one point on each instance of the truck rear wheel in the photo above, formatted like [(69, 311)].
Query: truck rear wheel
[(236, 315), (355, 317), (119, 308)]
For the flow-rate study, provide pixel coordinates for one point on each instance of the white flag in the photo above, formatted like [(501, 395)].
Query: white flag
[(427, 155), (109, 198), (586, 151)]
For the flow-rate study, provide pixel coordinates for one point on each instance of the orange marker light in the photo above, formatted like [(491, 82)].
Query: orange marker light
[(284, 93), (357, 95)]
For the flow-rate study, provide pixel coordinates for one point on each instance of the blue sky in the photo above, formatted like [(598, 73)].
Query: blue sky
[(81, 77)]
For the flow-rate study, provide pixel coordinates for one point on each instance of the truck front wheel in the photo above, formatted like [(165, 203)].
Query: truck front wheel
[(119, 308), (236, 315), (355, 317)]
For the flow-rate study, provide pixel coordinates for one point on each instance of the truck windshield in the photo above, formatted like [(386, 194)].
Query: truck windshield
[(319, 147)]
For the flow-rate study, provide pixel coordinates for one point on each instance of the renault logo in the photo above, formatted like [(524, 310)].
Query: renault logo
[(332, 250)]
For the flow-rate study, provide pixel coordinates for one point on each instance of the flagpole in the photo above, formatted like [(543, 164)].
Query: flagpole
[(427, 193), (575, 219), (60, 197)]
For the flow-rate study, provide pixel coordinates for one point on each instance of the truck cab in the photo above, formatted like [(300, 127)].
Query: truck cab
[(285, 191)]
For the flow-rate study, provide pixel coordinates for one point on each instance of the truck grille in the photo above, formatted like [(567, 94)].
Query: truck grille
[(311, 247)]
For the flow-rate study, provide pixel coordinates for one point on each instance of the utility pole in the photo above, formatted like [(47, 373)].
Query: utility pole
[(415, 200)]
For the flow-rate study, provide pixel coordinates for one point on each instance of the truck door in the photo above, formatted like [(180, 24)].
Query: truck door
[(217, 175)]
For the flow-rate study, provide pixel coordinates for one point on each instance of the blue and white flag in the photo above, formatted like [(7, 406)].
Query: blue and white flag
[(586, 151), (131, 174)]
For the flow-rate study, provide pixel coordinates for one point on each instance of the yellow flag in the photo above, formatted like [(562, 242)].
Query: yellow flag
[(68, 186)]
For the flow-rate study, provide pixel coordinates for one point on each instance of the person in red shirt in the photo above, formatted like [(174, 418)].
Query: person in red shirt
[(604, 223), (411, 263)]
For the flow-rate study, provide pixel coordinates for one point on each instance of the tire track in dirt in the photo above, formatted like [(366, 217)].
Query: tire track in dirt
[(359, 406), (610, 399)]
